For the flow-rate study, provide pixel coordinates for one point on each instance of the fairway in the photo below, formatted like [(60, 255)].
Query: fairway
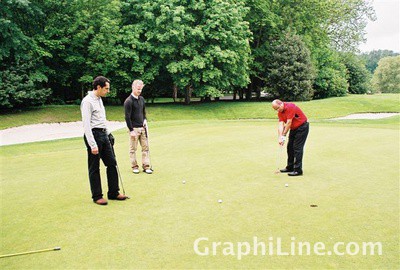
[(351, 172)]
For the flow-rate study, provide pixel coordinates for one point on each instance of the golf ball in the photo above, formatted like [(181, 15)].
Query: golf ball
[(183, 182), (286, 185), (220, 201)]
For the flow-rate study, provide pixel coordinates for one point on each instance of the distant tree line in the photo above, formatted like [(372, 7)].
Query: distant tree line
[(293, 49)]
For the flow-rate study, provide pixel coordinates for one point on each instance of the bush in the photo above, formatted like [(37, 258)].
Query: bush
[(21, 87), (358, 75), (290, 73), (386, 77), (331, 76)]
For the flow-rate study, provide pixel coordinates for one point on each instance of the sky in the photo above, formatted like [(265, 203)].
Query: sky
[(384, 32)]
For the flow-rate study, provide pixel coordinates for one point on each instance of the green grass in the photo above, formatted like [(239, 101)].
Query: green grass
[(317, 109), (351, 173)]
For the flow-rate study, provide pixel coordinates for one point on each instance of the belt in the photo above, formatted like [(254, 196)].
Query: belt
[(100, 129)]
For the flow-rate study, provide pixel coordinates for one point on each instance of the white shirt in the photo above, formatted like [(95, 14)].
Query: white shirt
[(93, 116)]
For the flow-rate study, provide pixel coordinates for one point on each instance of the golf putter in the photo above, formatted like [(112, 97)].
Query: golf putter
[(148, 145), (119, 174), (279, 159)]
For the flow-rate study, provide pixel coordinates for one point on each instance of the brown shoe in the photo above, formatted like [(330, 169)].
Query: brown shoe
[(101, 201), (120, 197)]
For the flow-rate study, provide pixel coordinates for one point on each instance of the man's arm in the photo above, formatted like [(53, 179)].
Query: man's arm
[(86, 110), (283, 130), (144, 113), (287, 127), (128, 111)]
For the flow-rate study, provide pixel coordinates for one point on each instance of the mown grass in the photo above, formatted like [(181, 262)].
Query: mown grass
[(351, 173), (223, 110)]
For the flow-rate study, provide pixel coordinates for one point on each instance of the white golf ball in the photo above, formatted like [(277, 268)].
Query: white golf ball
[(183, 182), (286, 185), (220, 201)]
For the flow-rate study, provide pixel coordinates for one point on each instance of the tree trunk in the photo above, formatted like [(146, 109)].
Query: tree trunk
[(234, 94), (249, 90), (175, 92), (258, 91), (188, 94), (241, 94)]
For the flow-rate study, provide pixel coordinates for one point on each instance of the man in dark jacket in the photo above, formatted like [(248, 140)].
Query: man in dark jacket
[(135, 117)]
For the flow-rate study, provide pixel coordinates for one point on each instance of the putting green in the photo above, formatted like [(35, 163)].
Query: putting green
[(351, 174)]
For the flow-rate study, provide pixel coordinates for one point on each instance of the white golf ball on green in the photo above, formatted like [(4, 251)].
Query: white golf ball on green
[(286, 185), (220, 201)]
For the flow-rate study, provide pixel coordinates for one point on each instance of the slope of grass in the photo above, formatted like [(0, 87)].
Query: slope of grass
[(351, 173), (316, 109)]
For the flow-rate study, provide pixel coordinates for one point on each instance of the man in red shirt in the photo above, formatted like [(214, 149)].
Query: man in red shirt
[(292, 119)]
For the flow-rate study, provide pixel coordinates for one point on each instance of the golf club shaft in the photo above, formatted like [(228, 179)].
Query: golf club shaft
[(119, 174), (148, 145), (30, 252)]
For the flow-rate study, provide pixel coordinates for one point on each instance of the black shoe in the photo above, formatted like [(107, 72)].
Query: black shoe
[(295, 173), (285, 170)]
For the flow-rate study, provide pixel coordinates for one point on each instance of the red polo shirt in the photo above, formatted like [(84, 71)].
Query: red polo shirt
[(291, 111)]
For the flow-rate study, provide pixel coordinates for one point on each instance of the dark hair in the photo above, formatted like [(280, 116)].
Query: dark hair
[(100, 80)]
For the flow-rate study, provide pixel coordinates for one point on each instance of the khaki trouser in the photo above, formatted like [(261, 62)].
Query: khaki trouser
[(133, 143)]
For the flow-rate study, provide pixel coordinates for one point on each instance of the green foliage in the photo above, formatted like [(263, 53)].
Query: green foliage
[(386, 78), (22, 86), (22, 73), (202, 45), (330, 80), (371, 59), (291, 73), (346, 23), (358, 75)]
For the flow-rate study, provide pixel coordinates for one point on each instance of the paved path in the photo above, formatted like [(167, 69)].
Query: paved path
[(47, 132)]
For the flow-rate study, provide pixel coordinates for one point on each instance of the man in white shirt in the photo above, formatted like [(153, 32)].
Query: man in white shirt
[(97, 140)]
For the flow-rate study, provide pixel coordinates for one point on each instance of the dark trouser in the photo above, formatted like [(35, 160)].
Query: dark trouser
[(107, 155), (295, 147)]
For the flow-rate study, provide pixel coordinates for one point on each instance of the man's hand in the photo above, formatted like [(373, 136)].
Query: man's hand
[(282, 140), (111, 138), (95, 151), (133, 133), (145, 123)]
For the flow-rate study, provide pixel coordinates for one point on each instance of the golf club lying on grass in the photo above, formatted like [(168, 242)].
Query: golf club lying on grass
[(112, 141), (279, 159), (30, 252)]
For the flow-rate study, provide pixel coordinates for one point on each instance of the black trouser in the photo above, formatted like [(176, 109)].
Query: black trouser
[(295, 147), (107, 155)]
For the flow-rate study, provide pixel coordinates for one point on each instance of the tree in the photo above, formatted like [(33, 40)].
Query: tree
[(82, 40), (358, 75), (347, 21), (290, 73), (325, 26), (372, 58), (331, 75), (202, 45), (386, 78), (22, 72)]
